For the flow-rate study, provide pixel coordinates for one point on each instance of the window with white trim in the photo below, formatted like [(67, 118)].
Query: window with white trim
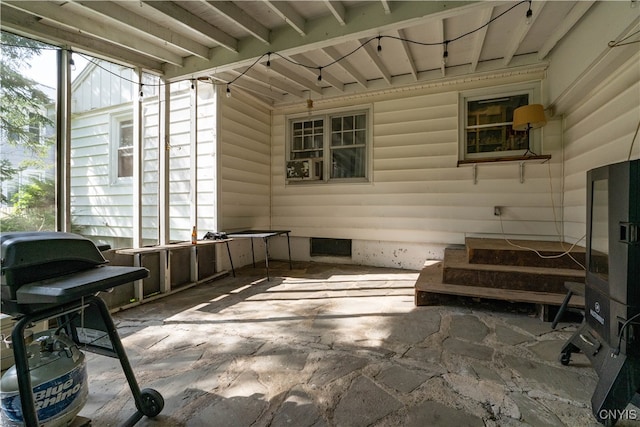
[(123, 140), (332, 146), (486, 119)]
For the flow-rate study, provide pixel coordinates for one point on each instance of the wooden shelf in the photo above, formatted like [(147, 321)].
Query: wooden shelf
[(544, 158)]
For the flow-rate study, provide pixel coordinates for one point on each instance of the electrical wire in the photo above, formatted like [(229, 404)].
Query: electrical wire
[(268, 54), (567, 252), (621, 332)]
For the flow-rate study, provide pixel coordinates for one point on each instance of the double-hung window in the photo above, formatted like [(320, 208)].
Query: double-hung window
[(333, 146), (124, 152), (486, 120)]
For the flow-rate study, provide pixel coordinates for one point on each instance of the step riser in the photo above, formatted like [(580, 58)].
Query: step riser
[(509, 280), (524, 258)]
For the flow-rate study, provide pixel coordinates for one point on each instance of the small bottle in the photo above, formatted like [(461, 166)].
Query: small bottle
[(194, 235)]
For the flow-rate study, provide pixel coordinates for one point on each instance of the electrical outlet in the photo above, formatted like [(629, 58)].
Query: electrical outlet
[(497, 211)]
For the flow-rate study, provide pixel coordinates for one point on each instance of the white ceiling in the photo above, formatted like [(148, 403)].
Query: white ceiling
[(230, 41)]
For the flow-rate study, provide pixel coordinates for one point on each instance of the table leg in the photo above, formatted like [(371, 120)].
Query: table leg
[(289, 247), (233, 270), (266, 255), (253, 256)]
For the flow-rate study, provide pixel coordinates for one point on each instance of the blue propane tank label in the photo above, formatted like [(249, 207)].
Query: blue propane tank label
[(52, 398)]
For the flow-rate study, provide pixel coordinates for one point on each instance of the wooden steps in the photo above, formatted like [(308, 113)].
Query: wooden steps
[(476, 269)]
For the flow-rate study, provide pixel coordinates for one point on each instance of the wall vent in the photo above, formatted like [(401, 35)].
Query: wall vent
[(330, 247)]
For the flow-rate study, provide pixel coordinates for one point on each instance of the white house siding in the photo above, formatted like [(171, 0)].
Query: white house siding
[(244, 171), (418, 200), (245, 163), (599, 130), (103, 205)]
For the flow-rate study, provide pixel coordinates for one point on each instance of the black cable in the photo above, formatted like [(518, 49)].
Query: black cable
[(314, 67), (620, 333)]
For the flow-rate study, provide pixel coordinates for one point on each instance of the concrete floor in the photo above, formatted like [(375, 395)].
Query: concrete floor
[(339, 345)]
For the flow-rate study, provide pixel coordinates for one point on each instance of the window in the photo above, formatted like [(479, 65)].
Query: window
[(486, 120), (329, 147), (125, 148)]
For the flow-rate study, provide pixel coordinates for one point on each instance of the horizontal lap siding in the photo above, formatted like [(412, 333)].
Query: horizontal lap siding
[(417, 193), (599, 131), (244, 164)]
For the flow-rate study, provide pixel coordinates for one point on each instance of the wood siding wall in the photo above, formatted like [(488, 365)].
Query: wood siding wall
[(417, 193), (244, 163), (599, 130)]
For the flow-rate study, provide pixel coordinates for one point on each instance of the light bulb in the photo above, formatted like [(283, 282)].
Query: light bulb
[(72, 64), (228, 92), (529, 14)]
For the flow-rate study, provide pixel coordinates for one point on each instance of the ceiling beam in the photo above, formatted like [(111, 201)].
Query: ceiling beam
[(249, 85), (64, 15), (335, 56), (483, 17), (577, 11), (30, 26), (445, 48), (326, 76), (288, 14), (385, 6), (240, 18), (295, 77), (407, 53), (138, 23), (521, 31), (190, 21), (365, 20), (266, 80), (375, 58), (337, 9)]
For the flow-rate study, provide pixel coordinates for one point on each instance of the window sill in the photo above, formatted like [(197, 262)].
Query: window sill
[(542, 158)]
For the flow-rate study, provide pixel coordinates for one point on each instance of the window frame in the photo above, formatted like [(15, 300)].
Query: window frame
[(327, 149), (532, 89), (116, 135)]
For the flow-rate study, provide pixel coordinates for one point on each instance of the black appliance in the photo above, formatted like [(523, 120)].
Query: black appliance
[(610, 334), (51, 275)]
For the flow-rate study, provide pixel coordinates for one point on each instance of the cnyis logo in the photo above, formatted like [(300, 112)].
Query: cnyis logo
[(52, 398)]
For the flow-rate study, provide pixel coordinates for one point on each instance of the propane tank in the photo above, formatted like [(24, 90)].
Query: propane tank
[(59, 379)]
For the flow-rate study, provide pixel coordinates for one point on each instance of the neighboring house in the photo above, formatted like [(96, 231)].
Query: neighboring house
[(102, 195), (22, 159)]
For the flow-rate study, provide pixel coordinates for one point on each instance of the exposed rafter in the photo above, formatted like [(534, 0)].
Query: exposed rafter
[(288, 14), (140, 24), (483, 17), (235, 39), (17, 21), (187, 19), (346, 66), (267, 80), (249, 85), (375, 58), (577, 12), (64, 16), (326, 75), (295, 77), (337, 9), (521, 31), (240, 18), (386, 6), (407, 52)]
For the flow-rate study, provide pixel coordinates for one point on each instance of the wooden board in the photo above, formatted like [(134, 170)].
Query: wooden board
[(430, 282)]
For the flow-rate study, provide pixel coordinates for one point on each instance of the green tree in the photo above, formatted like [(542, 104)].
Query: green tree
[(22, 103), (32, 208), (23, 118)]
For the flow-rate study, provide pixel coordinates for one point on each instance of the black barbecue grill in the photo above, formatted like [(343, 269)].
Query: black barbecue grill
[(51, 275)]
